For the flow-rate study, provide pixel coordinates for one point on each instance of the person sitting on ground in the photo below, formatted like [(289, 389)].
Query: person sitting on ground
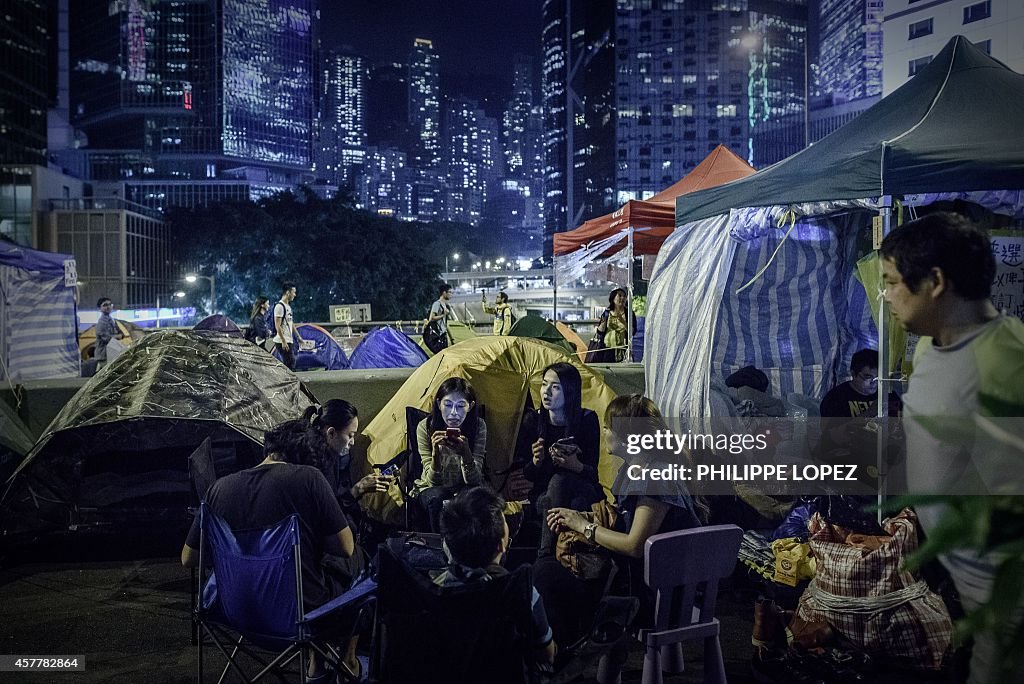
[(277, 488), (476, 539), (332, 429), (858, 396), (645, 508), (566, 452), (502, 312), (452, 443), (750, 385)]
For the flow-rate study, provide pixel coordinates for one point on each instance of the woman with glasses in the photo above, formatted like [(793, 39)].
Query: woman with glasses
[(451, 442)]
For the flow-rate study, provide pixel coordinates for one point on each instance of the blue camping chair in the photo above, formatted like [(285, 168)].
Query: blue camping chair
[(252, 604)]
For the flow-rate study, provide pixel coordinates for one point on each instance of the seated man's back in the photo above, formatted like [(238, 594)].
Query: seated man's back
[(277, 488)]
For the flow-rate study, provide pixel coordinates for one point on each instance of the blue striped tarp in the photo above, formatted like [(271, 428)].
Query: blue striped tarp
[(799, 321), (39, 318)]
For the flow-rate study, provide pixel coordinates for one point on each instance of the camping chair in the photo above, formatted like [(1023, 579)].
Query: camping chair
[(410, 458), (458, 635), (201, 476), (253, 604), (684, 568)]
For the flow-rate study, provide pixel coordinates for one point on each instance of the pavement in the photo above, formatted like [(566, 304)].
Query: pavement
[(126, 609)]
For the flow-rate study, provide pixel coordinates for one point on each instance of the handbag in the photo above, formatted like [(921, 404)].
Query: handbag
[(584, 559), (434, 337)]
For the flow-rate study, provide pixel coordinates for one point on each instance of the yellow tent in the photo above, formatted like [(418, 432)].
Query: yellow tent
[(502, 370)]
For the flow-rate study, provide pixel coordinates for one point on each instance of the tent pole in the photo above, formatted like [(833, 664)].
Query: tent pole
[(629, 297), (554, 290), (883, 367)]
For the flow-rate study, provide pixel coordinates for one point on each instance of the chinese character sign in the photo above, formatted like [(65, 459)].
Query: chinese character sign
[(1008, 285)]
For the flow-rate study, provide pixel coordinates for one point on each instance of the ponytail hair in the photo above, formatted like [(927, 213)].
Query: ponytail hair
[(334, 413)]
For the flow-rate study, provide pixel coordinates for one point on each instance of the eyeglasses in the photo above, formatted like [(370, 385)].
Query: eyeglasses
[(460, 406)]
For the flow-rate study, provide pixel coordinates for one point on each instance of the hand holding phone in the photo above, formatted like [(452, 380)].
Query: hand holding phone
[(452, 434)]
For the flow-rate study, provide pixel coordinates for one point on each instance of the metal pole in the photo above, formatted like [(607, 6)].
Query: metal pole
[(213, 293), (629, 297), (883, 369), (158, 311), (807, 93)]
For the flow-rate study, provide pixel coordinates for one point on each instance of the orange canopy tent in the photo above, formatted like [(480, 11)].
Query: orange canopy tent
[(654, 219)]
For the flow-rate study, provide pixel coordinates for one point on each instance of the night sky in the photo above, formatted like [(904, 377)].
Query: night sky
[(475, 39)]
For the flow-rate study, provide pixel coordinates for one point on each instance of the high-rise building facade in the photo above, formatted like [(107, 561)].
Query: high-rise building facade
[(915, 32), (382, 182), (24, 80), (194, 92), (267, 80), (846, 62), (681, 90), (777, 87), (341, 140), (849, 50), (425, 103), (472, 159), (577, 90), (387, 104)]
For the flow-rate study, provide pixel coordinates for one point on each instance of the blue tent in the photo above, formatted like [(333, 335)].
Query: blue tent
[(387, 348), (326, 352), (38, 322)]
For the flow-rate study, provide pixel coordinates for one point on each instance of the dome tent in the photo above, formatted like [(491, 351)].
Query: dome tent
[(504, 372), (117, 453), (386, 347)]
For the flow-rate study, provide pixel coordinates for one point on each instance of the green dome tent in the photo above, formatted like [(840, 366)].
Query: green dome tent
[(537, 328)]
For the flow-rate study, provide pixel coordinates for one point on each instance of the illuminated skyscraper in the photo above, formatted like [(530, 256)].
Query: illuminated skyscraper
[(425, 102), (472, 159), (341, 144), (577, 88), (192, 100), (777, 92), (681, 90)]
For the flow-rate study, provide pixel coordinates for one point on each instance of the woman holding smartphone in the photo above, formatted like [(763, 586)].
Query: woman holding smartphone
[(452, 442), (563, 469)]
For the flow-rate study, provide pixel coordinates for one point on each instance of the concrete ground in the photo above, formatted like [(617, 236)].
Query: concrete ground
[(131, 621)]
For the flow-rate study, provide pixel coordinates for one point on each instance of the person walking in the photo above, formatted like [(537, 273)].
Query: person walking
[(284, 326)]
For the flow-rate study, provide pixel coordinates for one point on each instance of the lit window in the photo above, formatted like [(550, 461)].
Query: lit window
[(682, 110)]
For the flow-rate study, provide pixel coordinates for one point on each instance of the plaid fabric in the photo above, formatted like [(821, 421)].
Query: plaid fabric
[(917, 631)]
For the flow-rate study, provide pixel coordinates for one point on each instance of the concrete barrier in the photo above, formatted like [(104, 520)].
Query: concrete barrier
[(38, 402)]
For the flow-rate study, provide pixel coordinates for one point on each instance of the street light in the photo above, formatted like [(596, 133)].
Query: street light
[(447, 270), (193, 277), (174, 295)]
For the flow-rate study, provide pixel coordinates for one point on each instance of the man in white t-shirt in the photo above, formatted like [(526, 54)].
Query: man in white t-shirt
[(938, 272), (285, 326)]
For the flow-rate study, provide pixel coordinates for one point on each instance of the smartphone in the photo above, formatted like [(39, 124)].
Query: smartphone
[(390, 471), (452, 433), (566, 441)]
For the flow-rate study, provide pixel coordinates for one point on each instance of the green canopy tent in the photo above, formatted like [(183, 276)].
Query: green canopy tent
[(539, 329)]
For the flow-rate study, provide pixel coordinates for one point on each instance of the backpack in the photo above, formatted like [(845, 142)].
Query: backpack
[(271, 326), (434, 337)]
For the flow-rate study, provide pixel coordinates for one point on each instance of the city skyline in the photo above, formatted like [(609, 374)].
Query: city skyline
[(475, 48)]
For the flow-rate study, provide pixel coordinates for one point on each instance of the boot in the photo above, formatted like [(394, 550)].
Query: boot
[(769, 626)]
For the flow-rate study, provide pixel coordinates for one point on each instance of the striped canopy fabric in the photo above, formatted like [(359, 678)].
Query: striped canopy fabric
[(800, 317), (37, 315)]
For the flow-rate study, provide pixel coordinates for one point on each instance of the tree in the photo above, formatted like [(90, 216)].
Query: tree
[(332, 252)]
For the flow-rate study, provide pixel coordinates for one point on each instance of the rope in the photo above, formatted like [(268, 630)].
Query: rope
[(866, 605), (788, 214)]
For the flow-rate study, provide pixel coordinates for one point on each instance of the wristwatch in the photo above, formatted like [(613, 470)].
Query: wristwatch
[(590, 531)]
